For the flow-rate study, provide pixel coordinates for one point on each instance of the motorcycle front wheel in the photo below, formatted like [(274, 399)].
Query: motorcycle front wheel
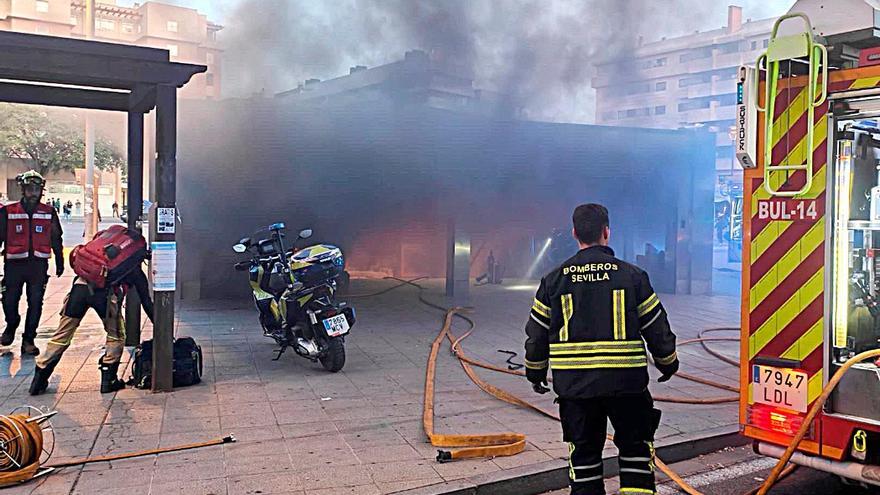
[(334, 358)]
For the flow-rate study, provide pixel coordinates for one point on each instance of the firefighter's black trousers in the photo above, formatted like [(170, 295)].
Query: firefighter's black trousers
[(584, 423), (35, 274)]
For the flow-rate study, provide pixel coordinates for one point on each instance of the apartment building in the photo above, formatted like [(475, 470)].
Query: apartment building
[(188, 35), (686, 81)]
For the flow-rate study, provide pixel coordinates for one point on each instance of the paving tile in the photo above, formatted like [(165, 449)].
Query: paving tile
[(216, 486), (366, 439), (250, 484)]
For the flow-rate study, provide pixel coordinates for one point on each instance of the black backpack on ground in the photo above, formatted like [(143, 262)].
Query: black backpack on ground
[(187, 367)]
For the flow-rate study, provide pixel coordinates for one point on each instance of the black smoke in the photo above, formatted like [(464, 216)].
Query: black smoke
[(538, 52)]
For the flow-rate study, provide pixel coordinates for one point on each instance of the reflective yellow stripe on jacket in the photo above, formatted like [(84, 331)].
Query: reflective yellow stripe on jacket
[(567, 312), (619, 314), (648, 304), (600, 354), (541, 308)]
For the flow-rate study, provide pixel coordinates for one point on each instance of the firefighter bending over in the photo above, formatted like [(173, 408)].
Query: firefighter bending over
[(589, 322), (107, 303), (31, 233)]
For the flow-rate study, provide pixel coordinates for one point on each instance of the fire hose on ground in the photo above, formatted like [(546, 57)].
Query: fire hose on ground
[(505, 444), (23, 456)]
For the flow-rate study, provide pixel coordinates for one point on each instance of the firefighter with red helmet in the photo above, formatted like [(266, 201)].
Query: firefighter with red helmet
[(30, 233)]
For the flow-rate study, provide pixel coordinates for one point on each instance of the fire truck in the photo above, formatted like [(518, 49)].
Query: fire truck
[(808, 139)]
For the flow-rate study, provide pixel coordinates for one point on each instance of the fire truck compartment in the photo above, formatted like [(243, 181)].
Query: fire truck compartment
[(853, 284)]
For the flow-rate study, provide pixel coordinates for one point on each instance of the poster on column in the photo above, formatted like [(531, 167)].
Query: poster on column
[(165, 223), (163, 266)]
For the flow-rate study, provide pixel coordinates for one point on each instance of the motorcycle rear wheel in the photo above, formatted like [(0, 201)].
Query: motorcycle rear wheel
[(334, 359)]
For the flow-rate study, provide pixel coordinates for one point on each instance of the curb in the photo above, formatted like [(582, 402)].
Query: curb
[(553, 475)]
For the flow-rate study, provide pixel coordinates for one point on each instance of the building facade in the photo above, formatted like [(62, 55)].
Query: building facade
[(188, 35), (689, 81), (423, 78)]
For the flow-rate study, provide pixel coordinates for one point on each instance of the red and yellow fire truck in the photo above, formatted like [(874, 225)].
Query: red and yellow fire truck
[(808, 138)]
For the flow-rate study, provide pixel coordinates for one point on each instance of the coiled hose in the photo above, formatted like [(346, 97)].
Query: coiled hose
[(21, 442)]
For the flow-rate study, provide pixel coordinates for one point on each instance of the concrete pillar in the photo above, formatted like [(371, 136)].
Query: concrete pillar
[(458, 265)]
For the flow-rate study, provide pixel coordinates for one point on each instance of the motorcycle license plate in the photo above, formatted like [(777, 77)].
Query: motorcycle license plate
[(780, 387), (336, 325)]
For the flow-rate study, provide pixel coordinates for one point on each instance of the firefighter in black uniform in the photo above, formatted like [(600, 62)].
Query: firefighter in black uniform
[(589, 322)]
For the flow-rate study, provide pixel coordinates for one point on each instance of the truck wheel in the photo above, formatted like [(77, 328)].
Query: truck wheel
[(334, 359)]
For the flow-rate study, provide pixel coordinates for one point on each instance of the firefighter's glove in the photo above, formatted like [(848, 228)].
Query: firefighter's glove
[(59, 269), (667, 370), (540, 388), (538, 378)]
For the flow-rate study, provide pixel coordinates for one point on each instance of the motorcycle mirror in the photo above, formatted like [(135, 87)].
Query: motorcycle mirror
[(246, 241), (305, 233), (239, 248)]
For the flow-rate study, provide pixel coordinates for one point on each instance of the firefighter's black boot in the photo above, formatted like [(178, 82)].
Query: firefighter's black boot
[(109, 381), (29, 349), (8, 337), (41, 378)]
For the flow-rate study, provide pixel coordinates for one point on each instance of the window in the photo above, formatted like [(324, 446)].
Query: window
[(621, 114), (212, 35), (632, 112), (127, 27), (695, 55), (172, 26), (727, 100), (608, 115), (692, 80), (660, 110), (209, 79), (727, 48), (660, 86), (209, 59), (754, 45), (106, 25), (657, 62), (172, 49), (693, 105), (766, 43), (43, 6), (638, 88)]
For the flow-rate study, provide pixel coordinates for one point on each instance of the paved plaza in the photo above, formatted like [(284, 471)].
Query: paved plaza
[(302, 430)]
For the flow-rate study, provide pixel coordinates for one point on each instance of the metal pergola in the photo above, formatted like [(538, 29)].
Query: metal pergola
[(46, 70)]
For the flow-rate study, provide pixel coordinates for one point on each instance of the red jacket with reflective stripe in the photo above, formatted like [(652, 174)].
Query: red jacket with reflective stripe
[(25, 232)]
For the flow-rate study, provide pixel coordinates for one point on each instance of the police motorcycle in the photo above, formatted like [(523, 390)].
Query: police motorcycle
[(294, 291)]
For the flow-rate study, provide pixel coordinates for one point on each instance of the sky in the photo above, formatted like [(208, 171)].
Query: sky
[(219, 10), (536, 52)]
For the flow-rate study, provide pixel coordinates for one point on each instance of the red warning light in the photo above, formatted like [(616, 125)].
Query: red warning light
[(775, 419)]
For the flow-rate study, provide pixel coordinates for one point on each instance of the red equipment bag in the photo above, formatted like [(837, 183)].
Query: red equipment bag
[(110, 256)]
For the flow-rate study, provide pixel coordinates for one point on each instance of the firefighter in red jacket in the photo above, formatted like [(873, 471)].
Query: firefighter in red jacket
[(30, 232)]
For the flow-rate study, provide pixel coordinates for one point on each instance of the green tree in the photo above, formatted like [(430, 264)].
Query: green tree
[(107, 157), (45, 143)]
